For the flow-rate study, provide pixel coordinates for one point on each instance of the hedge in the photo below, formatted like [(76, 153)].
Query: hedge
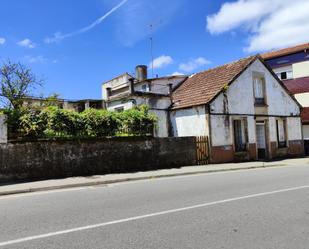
[(53, 122)]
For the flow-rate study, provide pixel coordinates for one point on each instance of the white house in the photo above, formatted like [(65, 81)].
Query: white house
[(243, 108), (126, 91)]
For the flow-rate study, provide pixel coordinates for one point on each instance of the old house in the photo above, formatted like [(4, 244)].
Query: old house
[(126, 91), (243, 108), (292, 66)]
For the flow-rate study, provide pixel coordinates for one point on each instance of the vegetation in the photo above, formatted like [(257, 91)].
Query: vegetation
[(53, 122), (16, 82)]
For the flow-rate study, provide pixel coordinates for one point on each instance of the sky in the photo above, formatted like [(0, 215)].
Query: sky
[(76, 45)]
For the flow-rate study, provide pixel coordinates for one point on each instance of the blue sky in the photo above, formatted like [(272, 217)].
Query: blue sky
[(75, 45)]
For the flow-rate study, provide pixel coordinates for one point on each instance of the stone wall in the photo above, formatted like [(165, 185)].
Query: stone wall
[(3, 129), (53, 159)]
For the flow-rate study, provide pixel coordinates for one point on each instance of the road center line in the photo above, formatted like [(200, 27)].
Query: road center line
[(104, 224)]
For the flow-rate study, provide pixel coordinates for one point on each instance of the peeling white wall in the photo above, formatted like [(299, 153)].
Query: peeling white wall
[(241, 102), (294, 128), (190, 122), (241, 96), (3, 129)]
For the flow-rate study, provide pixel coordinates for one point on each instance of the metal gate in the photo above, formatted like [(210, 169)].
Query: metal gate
[(202, 150)]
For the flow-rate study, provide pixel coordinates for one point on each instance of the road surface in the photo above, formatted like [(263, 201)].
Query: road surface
[(262, 208)]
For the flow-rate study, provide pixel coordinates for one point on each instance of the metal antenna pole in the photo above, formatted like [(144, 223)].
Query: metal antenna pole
[(151, 48)]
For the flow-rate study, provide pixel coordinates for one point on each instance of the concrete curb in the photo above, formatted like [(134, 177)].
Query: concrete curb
[(105, 182)]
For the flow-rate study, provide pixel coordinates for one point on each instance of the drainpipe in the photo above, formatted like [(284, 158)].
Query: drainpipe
[(170, 88)]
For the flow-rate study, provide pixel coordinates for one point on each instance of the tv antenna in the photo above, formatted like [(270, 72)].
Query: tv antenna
[(151, 47), (151, 27)]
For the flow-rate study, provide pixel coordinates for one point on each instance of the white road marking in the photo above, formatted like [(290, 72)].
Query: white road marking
[(104, 224)]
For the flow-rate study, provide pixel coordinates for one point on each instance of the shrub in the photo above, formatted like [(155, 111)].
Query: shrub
[(98, 123), (55, 122), (137, 121)]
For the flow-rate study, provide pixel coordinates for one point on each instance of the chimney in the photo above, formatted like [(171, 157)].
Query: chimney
[(141, 72), (131, 86)]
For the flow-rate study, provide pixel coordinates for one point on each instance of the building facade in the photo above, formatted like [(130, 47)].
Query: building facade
[(292, 67), (243, 108)]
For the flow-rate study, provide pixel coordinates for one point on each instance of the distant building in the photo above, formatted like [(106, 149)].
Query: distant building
[(75, 105), (292, 66)]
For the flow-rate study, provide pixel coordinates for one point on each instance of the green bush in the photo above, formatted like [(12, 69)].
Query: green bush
[(100, 123), (53, 122), (137, 121)]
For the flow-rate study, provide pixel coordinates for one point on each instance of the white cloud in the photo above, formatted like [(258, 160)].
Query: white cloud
[(193, 64), (58, 36), (2, 40), (270, 24), (27, 43), (35, 59), (161, 61), (177, 73)]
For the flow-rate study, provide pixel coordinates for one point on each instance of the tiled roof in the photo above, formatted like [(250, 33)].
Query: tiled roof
[(305, 115), (299, 85), (203, 87), (285, 51)]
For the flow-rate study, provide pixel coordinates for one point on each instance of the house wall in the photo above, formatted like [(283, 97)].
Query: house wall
[(3, 129), (157, 105), (301, 69), (239, 103), (303, 99), (160, 85), (306, 131), (190, 122)]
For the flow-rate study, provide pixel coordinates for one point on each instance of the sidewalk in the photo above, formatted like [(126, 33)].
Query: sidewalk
[(114, 178)]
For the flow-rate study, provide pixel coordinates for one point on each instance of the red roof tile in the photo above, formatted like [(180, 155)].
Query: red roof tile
[(305, 115), (299, 85), (285, 51), (203, 87)]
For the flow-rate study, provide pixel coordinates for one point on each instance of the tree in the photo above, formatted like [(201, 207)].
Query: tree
[(16, 82)]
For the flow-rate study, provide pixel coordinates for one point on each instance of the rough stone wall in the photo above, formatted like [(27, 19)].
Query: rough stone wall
[(53, 159), (3, 129)]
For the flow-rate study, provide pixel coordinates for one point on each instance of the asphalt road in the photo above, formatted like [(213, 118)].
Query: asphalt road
[(262, 208)]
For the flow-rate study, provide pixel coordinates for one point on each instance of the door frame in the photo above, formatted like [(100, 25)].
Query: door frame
[(264, 123)]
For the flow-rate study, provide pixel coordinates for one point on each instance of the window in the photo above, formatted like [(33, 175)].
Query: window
[(281, 135), (119, 109), (239, 135), (286, 75), (259, 91)]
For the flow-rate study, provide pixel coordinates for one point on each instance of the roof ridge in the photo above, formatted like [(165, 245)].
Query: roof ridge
[(229, 63)]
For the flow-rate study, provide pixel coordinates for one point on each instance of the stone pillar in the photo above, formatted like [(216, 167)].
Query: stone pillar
[(3, 130)]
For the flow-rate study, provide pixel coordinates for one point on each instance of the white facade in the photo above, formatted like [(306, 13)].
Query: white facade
[(3, 129), (238, 102), (301, 69), (190, 122)]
